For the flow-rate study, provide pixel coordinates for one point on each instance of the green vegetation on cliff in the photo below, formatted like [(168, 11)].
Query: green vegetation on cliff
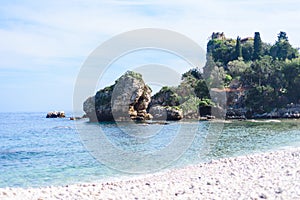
[(268, 74), (188, 96), (255, 75)]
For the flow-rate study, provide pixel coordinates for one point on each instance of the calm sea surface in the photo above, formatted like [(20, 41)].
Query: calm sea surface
[(35, 151)]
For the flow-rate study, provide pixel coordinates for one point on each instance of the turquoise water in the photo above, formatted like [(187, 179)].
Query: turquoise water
[(35, 151)]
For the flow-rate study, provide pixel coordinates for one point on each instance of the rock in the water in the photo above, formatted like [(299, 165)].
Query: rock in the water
[(166, 113), (127, 99), (75, 118), (56, 114)]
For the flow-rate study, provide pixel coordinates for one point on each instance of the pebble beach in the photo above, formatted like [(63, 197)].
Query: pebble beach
[(270, 175)]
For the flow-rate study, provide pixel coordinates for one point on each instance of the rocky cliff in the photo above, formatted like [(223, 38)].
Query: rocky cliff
[(127, 99)]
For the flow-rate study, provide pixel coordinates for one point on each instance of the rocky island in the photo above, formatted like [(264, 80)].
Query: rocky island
[(243, 78), (130, 99)]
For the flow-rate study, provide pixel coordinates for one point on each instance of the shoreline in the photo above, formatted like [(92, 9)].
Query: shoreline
[(274, 174)]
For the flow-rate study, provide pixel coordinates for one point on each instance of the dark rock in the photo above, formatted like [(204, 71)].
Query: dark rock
[(210, 117), (56, 114), (236, 114), (75, 118), (205, 110), (212, 112), (290, 111)]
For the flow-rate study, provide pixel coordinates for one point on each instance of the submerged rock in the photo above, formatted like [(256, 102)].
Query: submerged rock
[(127, 99)]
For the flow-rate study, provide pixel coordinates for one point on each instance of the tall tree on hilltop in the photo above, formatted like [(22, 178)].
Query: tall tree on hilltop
[(282, 49), (238, 48), (282, 36), (257, 53), (247, 50)]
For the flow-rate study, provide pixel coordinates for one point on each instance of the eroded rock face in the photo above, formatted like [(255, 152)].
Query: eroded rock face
[(166, 113), (127, 99)]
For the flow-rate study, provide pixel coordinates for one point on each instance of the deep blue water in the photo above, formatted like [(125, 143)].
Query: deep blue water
[(35, 151)]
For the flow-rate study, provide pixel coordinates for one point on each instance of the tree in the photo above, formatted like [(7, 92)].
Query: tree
[(201, 90), (266, 49), (193, 79), (195, 73), (247, 50), (282, 36), (222, 50), (282, 49), (291, 72), (268, 74), (237, 67), (238, 48), (263, 70), (257, 53)]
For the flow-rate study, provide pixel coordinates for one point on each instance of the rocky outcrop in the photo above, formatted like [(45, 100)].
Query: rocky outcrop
[(128, 99), (56, 114), (238, 113), (166, 113), (290, 111), (212, 112)]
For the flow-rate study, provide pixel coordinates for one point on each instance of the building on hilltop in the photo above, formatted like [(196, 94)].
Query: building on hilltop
[(244, 40), (218, 36)]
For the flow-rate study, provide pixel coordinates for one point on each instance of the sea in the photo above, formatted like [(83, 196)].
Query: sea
[(36, 151)]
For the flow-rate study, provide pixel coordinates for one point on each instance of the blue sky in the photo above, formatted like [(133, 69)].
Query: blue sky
[(43, 44)]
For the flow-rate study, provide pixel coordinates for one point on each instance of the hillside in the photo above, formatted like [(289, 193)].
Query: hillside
[(255, 78)]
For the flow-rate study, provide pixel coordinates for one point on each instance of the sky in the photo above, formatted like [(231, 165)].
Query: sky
[(44, 44)]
